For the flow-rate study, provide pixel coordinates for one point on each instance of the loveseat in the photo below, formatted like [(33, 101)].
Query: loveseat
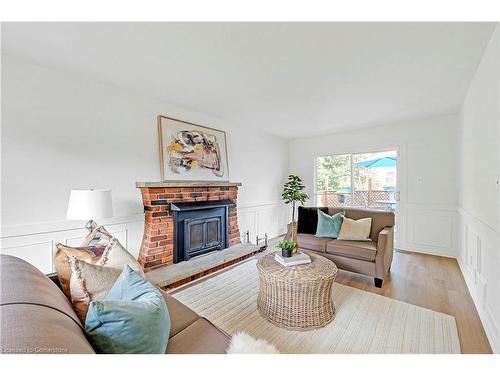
[(371, 258), (36, 317)]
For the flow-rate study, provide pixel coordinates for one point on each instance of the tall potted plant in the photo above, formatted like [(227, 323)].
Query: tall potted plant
[(293, 193)]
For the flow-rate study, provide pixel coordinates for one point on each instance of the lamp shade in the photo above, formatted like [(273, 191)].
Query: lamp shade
[(89, 204)]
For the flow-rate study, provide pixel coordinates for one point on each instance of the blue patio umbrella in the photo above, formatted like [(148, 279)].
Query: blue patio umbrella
[(387, 161)]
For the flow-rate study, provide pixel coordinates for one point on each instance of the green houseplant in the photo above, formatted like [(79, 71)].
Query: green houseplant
[(286, 248), (293, 193)]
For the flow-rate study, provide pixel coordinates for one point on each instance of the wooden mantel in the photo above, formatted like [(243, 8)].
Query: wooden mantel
[(174, 184)]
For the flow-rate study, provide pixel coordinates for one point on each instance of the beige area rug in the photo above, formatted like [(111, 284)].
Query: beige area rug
[(364, 322)]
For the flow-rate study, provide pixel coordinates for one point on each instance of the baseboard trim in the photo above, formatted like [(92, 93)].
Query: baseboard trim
[(427, 252), (488, 325)]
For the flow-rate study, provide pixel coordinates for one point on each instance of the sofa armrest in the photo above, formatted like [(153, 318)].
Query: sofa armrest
[(385, 231), (385, 247), (385, 238)]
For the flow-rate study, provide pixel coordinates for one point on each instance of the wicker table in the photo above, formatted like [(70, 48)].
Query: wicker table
[(297, 297)]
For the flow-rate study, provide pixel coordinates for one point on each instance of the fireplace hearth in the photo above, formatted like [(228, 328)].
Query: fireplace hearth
[(200, 227)]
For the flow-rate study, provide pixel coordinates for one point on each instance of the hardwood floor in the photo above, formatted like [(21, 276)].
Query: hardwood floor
[(432, 282)]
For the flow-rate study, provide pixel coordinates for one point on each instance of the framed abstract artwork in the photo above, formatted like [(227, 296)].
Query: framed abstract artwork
[(191, 152)]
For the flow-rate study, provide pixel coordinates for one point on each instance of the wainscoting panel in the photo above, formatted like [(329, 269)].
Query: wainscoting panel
[(434, 231), (267, 218), (37, 253), (36, 243), (248, 221), (431, 230), (479, 260)]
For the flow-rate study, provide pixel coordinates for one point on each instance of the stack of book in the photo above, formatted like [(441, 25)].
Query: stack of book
[(294, 260)]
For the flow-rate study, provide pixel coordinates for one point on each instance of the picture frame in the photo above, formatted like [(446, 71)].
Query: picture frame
[(191, 152)]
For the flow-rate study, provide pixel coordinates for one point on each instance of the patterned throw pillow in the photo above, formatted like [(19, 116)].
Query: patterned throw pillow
[(89, 282), (99, 247), (355, 230), (90, 254), (98, 237), (115, 255)]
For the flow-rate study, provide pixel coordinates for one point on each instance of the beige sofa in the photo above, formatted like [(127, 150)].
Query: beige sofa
[(371, 258), (36, 317)]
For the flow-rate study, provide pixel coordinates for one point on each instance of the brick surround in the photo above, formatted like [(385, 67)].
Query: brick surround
[(157, 243)]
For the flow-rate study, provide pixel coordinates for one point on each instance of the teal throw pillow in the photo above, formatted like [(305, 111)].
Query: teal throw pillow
[(329, 226), (132, 318)]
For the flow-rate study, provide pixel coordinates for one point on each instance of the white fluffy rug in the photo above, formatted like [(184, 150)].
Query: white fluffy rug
[(364, 322), (242, 343)]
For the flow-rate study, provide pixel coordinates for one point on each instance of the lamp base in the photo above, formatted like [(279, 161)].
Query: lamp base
[(91, 225)]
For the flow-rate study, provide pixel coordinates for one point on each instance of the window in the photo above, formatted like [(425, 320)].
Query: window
[(367, 180)]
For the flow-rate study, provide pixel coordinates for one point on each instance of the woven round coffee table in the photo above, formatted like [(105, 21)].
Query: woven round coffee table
[(297, 297)]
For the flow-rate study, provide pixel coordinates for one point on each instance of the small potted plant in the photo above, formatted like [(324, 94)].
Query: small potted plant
[(286, 248)]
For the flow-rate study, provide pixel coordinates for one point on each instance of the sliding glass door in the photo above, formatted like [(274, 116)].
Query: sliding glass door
[(333, 180), (365, 180)]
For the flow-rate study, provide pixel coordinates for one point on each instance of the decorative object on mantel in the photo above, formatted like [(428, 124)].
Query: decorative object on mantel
[(295, 260), (292, 193), (89, 204), (286, 248), (191, 152)]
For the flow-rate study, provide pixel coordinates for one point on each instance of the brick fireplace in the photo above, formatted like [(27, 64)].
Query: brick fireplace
[(160, 199)]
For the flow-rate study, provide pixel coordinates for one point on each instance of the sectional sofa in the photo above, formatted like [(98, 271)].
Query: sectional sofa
[(36, 317)]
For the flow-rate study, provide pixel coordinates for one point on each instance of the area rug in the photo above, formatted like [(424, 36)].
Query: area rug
[(364, 322)]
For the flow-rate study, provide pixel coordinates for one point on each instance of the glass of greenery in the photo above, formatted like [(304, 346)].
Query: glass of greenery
[(286, 248)]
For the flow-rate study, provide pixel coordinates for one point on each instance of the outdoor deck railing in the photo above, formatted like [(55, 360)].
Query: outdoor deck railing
[(362, 198)]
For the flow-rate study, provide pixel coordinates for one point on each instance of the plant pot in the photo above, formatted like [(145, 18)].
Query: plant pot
[(286, 253)]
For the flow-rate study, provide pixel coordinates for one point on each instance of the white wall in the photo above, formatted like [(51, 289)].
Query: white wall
[(426, 218), (62, 131), (479, 196)]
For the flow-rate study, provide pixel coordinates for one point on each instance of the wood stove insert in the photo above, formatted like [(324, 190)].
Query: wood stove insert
[(200, 227)]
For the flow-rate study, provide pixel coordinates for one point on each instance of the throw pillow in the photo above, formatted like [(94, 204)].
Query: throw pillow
[(132, 319), (355, 230), (307, 221), (115, 255), (89, 282), (328, 225), (90, 254), (99, 247), (99, 236)]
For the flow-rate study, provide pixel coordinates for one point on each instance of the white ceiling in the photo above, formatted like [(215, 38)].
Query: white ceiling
[(289, 79)]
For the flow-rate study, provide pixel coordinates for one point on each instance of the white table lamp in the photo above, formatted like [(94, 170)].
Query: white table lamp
[(89, 204)]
